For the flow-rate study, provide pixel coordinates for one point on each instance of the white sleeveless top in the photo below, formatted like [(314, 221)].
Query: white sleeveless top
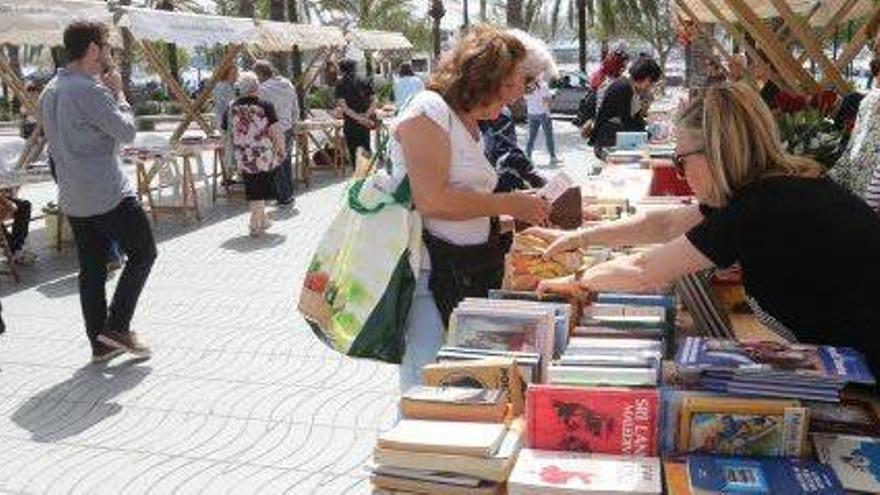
[(469, 170)]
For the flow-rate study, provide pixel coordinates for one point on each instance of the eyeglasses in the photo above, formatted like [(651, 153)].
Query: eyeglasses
[(678, 160)]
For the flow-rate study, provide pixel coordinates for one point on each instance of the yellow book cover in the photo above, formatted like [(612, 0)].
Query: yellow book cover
[(735, 426)]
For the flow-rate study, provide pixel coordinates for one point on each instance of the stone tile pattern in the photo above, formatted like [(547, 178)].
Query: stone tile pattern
[(239, 396)]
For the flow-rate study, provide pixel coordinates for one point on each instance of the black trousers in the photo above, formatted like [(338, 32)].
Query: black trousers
[(21, 222), (127, 224), (356, 136)]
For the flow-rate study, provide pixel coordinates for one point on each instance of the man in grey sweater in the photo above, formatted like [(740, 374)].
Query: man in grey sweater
[(86, 118), (281, 93)]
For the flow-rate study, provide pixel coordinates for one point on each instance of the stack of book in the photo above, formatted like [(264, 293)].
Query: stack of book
[(451, 457), (460, 433), (618, 343), (772, 369), (531, 332), (854, 459)]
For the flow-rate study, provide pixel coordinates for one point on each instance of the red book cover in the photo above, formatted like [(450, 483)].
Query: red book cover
[(600, 420)]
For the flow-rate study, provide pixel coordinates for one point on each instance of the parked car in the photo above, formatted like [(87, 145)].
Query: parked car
[(569, 89)]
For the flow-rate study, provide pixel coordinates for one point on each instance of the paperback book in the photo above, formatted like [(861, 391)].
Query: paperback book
[(540, 472), (855, 460), (454, 404), (599, 420), (849, 417), (710, 475), (748, 427)]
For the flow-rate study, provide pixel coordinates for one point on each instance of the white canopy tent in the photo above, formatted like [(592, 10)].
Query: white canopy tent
[(378, 40), (40, 22), (195, 30)]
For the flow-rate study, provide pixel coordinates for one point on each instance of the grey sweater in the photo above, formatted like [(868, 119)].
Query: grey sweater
[(84, 126)]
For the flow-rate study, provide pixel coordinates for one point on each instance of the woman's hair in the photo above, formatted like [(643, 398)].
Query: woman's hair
[(645, 68), (740, 139), (875, 67), (473, 73), (248, 83), (539, 60)]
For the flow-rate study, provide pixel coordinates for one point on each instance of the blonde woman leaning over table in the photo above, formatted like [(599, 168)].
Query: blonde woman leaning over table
[(809, 250), (437, 143)]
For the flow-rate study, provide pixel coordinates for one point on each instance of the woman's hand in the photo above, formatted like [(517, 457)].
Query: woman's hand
[(569, 241), (568, 286), (528, 208)]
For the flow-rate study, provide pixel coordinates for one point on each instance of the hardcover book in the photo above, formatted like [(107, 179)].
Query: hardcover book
[(540, 472), (712, 475), (486, 373), (748, 427), (855, 460), (675, 472), (501, 330), (600, 420)]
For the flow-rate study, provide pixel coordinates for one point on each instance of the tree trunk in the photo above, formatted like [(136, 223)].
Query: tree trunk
[(276, 13), (483, 11), (170, 48), (12, 57), (697, 59), (437, 12), (127, 56), (246, 8), (296, 60), (582, 34), (515, 14)]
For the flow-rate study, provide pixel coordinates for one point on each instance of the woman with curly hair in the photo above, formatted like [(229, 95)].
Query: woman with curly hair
[(436, 143)]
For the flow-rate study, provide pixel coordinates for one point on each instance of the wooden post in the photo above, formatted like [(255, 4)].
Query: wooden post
[(690, 13), (831, 27), (743, 40), (228, 59), (868, 30), (190, 112), (809, 43), (778, 55)]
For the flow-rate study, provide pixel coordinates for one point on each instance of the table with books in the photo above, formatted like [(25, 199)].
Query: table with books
[(315, 130), (609, 396)]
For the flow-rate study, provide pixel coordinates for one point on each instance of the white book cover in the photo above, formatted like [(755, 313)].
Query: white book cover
[(457, 437), (541, 472), (557, 185), (855, 460)]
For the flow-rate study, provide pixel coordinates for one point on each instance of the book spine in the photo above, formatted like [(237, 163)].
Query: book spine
[(796, 420)]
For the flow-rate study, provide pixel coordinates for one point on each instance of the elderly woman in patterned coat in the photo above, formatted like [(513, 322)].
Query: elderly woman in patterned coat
[(258, 145)]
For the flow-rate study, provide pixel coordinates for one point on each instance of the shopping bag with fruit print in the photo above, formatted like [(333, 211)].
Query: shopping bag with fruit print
[(358, 289)]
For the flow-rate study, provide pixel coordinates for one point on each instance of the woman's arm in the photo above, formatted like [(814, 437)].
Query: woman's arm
[(652, 227), (642, 272), (427, 147), (277, 136)]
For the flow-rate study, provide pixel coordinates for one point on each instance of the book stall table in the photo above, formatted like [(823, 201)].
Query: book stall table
[(552, 396), (169, 171), (312, 131)]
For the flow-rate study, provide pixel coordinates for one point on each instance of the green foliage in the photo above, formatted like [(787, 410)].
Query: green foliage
[(148, 108), (384, 92), (320, 97)]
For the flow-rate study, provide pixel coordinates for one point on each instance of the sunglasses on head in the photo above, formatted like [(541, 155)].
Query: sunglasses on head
[(678, 160)]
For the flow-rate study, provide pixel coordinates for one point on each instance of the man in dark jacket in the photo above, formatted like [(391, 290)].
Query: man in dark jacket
[(621, 109)]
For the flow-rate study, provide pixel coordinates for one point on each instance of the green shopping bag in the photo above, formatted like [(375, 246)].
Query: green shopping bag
[(359, 286)]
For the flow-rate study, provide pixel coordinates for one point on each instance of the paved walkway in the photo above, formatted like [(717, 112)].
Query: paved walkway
[(239, 396)]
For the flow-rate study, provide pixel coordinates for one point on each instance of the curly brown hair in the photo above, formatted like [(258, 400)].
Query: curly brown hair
[(472, 75)]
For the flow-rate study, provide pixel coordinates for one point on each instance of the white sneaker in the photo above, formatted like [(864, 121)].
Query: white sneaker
[(555, 161)]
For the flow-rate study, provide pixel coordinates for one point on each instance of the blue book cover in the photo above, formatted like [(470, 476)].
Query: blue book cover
[(790, 359), (667, 302), (761, 475)]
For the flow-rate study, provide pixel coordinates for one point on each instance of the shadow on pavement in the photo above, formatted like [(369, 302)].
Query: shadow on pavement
[(247, 244), (80, 402)]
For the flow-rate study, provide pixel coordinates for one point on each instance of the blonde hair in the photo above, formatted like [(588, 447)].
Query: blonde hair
[(741, 140)]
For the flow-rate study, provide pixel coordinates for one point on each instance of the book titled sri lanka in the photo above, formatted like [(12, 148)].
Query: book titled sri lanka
[(712, 475), (855, 460), (776, 359), (540, 472), (602, 420)]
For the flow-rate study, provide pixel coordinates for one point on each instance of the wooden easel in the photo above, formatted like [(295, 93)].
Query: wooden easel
[(36, 141), (789, 69)]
